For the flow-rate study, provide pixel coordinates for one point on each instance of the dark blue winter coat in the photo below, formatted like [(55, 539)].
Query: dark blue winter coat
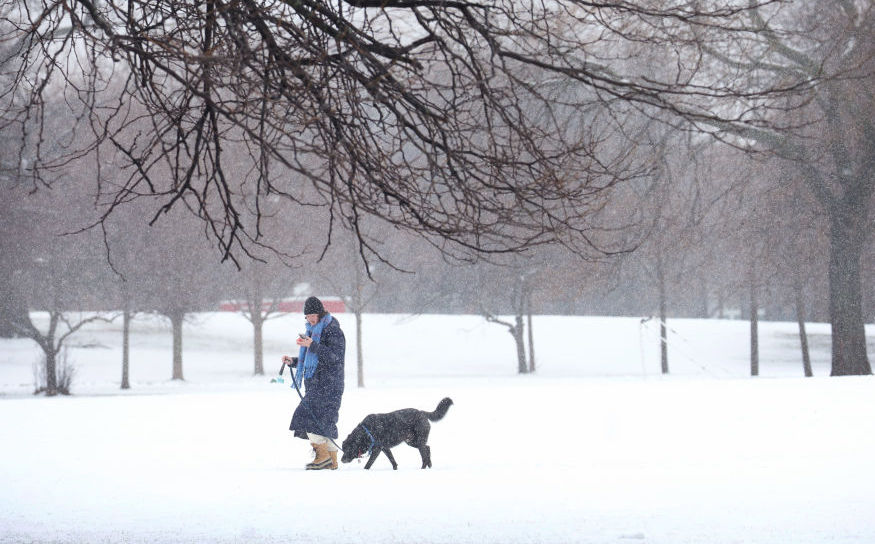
[(319, 410)]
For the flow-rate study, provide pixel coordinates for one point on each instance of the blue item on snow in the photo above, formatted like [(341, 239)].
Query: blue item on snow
[(308, 361), (279, 378)]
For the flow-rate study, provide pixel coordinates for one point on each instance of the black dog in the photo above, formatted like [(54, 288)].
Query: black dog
[(380, 432)]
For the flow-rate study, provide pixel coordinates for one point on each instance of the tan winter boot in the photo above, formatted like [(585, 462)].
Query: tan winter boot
[(315, 453), (333, 455), (322, 460)]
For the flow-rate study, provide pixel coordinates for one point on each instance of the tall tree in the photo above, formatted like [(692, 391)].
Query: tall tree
[(54, 274), (822, 53), (346, 272), (172, 273), (45, 269), (263, 286), (510, 286), (359, 287)]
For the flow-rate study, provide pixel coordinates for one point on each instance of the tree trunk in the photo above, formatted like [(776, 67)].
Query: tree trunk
[(531, 344), (800, 319), (754, 324), (849, 356), (518, 332), (704, 312), (359, 357), (51, 355), (663, 329), (51, 373), (126, 348), (527, 305), (258, 342), (176, 319), (357, 298)]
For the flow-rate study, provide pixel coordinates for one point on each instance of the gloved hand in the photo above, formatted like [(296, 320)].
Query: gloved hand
[(291, 361)]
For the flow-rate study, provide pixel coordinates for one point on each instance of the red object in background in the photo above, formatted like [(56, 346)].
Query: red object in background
[(333, 305)]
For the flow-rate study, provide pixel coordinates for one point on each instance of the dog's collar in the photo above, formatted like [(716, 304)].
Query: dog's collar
[(371, 437)]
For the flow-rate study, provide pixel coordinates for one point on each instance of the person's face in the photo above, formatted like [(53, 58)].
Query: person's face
[(312, 319)]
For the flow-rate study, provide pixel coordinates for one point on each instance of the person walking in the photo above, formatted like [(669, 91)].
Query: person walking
[(320, 366)]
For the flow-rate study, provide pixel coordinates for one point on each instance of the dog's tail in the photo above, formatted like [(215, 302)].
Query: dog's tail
[(441, 410)]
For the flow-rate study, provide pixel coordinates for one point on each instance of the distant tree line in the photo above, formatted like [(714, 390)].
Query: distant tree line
[(699, 262)]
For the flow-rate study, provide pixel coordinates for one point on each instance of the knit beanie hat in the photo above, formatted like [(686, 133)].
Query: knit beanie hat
[(313, 306)]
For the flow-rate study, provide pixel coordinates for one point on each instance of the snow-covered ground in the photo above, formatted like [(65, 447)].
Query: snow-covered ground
[(596, 447)]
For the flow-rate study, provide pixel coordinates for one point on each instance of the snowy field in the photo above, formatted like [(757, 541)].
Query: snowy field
[(596, 447)]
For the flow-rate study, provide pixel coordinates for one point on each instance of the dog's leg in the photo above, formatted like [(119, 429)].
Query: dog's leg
[(374, 455), (391, 458), (420, 441), (425, 453)]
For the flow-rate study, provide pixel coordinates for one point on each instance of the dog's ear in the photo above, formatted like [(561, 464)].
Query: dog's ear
[(356, 440)]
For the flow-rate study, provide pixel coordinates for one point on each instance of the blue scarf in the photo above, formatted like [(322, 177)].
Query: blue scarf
[(308, 361)]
